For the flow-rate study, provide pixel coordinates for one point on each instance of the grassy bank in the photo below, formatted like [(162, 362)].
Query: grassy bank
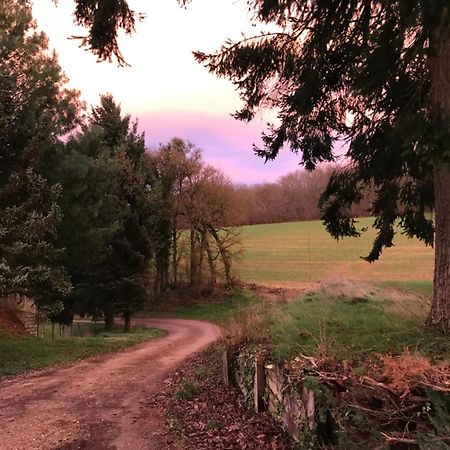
[(218, 309), (352, 328), (376, 375), (288, 253), (21, 354)]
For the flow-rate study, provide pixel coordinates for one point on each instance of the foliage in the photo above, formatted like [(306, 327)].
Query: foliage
[(171, 164), (36, 108), (124, 210), (359, 73), (109, 213), (294, 197), (187, 390), (369, 76), (104, 18)]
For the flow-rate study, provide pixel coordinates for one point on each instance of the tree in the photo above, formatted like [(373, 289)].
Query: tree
[(134, 244), (171, 164), (109, 213), (374, 74), (196, 204), (91, 213), (207, 203), (35, 109), (104, 19)]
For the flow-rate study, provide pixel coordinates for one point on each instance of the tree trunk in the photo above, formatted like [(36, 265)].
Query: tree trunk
[(439, 315), (212, 267), (200, 258), (193, 259), (127, 322), (175, 257), (224, 254), (166, 273), (109, 317)]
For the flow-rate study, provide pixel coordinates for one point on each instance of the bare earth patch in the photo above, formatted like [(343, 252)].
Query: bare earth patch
[(339, 286), (10, 323)]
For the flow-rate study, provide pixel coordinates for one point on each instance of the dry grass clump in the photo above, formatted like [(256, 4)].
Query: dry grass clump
[(404, 304), (249, 326), (348, 288)]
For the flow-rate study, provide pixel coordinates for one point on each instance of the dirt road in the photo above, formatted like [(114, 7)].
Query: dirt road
[(96, 404)]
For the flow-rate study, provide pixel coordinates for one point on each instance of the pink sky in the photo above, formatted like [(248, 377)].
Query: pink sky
[(226, 143), (164, 87)]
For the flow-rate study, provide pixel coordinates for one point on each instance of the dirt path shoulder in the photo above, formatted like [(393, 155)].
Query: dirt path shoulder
[(96, 403)]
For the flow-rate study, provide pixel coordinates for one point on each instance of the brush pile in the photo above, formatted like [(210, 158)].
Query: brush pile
[(393, 401)]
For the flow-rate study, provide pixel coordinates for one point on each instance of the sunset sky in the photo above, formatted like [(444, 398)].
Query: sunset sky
[(164, 87)]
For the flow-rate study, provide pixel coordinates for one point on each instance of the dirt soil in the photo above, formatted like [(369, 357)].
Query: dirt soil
[(98, 403), (10, 323)]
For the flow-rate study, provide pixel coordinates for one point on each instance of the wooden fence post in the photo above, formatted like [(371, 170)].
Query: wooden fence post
[(225, 368), (259, 386)]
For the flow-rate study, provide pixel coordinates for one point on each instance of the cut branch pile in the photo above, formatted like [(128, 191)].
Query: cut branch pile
[(405, 399)]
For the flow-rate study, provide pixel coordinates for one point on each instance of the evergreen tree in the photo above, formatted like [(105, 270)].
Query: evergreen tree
[(374, 74), (35, 109), (108, 229), (92, 212)]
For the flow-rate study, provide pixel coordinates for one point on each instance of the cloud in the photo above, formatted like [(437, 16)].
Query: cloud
[(226, 143)]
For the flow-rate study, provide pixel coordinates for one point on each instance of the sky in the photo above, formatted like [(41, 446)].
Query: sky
[(164, 87)]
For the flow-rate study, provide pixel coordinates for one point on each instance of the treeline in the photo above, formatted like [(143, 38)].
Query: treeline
[(95, 222), (294, 197)]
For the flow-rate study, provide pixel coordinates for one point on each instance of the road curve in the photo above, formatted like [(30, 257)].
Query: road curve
[(95, 403)]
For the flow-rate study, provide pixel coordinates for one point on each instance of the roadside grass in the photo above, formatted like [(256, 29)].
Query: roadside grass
[(21, 354), (352, 328), (220, 309), (187, 390), (302, 252)]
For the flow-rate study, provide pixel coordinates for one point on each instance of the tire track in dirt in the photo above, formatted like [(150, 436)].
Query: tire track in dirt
[(95, 404)]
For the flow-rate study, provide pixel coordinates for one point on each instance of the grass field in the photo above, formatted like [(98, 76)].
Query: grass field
[(21, 354), (302, 252)]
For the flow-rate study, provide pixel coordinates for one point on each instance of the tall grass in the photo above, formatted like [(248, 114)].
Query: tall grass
[(352, 328)]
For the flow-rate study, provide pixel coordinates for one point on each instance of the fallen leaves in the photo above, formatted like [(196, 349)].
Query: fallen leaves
[(215, 417)]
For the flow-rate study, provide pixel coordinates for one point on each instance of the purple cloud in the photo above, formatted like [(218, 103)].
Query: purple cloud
[(226, 143)]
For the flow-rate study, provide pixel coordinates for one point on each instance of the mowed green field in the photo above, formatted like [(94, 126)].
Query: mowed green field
[(303, 252)]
